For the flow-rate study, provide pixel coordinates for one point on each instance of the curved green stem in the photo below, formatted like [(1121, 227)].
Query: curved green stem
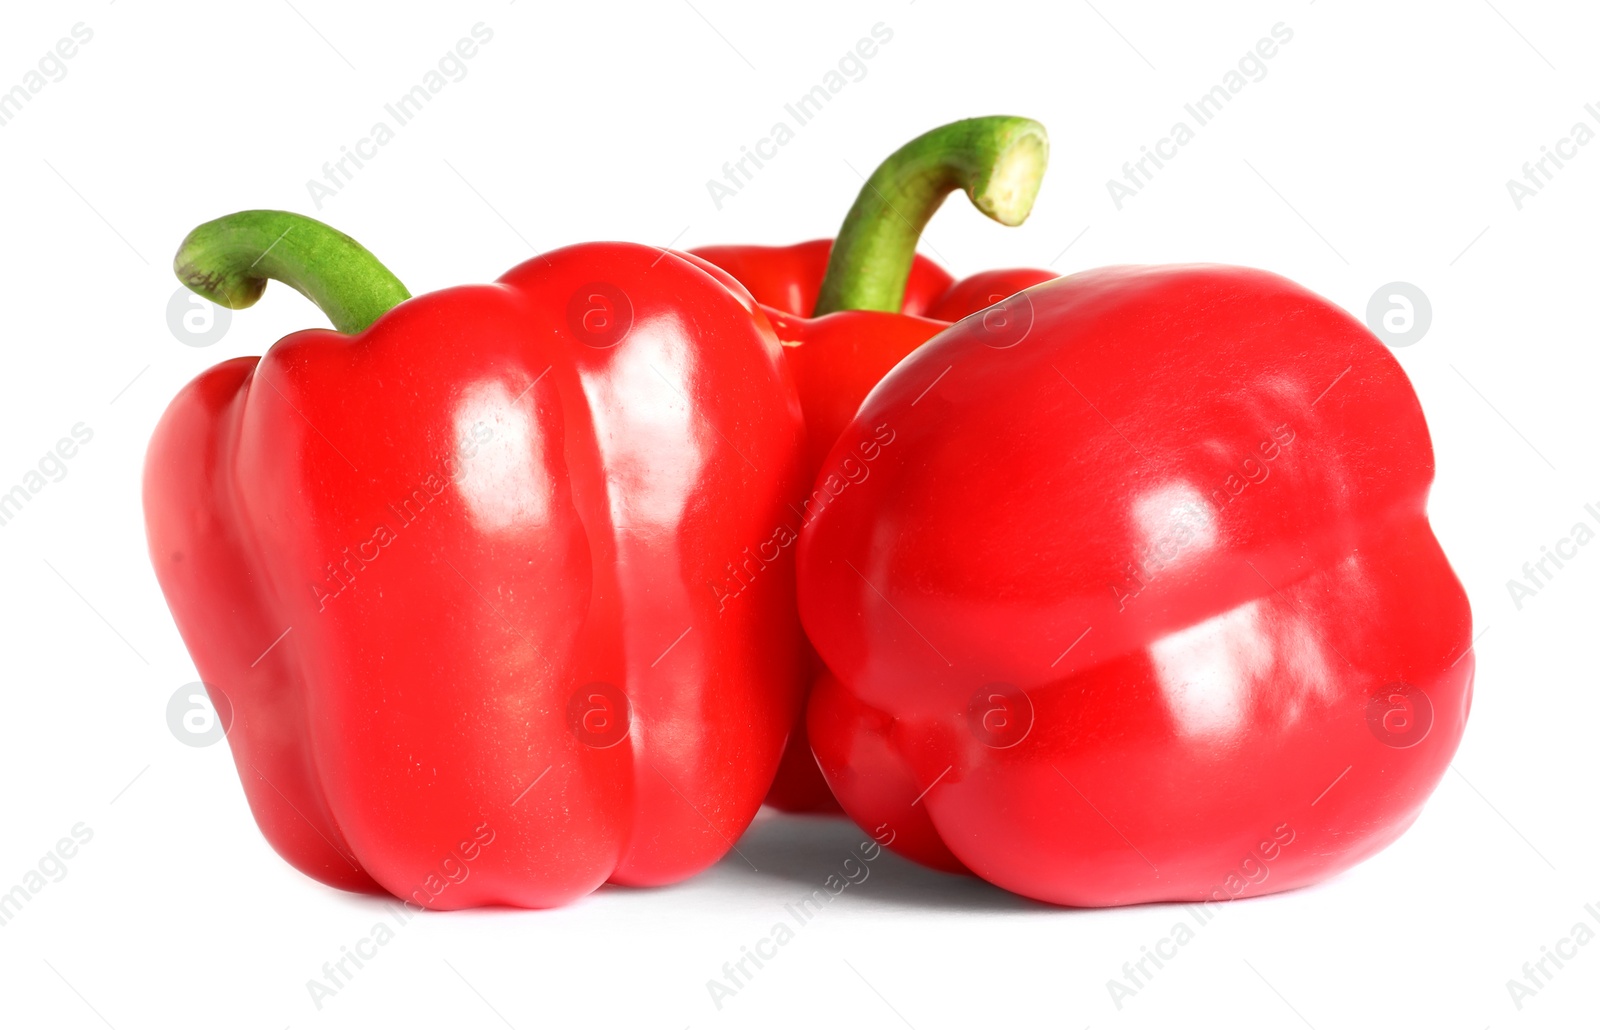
[(228, 261), (998, 160)]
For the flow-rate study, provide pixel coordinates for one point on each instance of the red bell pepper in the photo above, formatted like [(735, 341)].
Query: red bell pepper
[(447, 565), (1142, 603), (847, 313)]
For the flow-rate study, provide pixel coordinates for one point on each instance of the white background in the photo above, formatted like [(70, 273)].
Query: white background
[(1376, 149)]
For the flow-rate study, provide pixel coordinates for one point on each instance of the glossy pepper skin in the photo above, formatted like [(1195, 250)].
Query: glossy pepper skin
[(449, 574), (1141, 602), (838, 357)]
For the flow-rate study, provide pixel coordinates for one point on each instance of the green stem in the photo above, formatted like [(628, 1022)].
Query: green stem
[(998, 161), (228, 261)]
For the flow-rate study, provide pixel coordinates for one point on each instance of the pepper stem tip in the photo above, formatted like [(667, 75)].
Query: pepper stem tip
[(228, 261), (998, 161), (1007, 190)]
